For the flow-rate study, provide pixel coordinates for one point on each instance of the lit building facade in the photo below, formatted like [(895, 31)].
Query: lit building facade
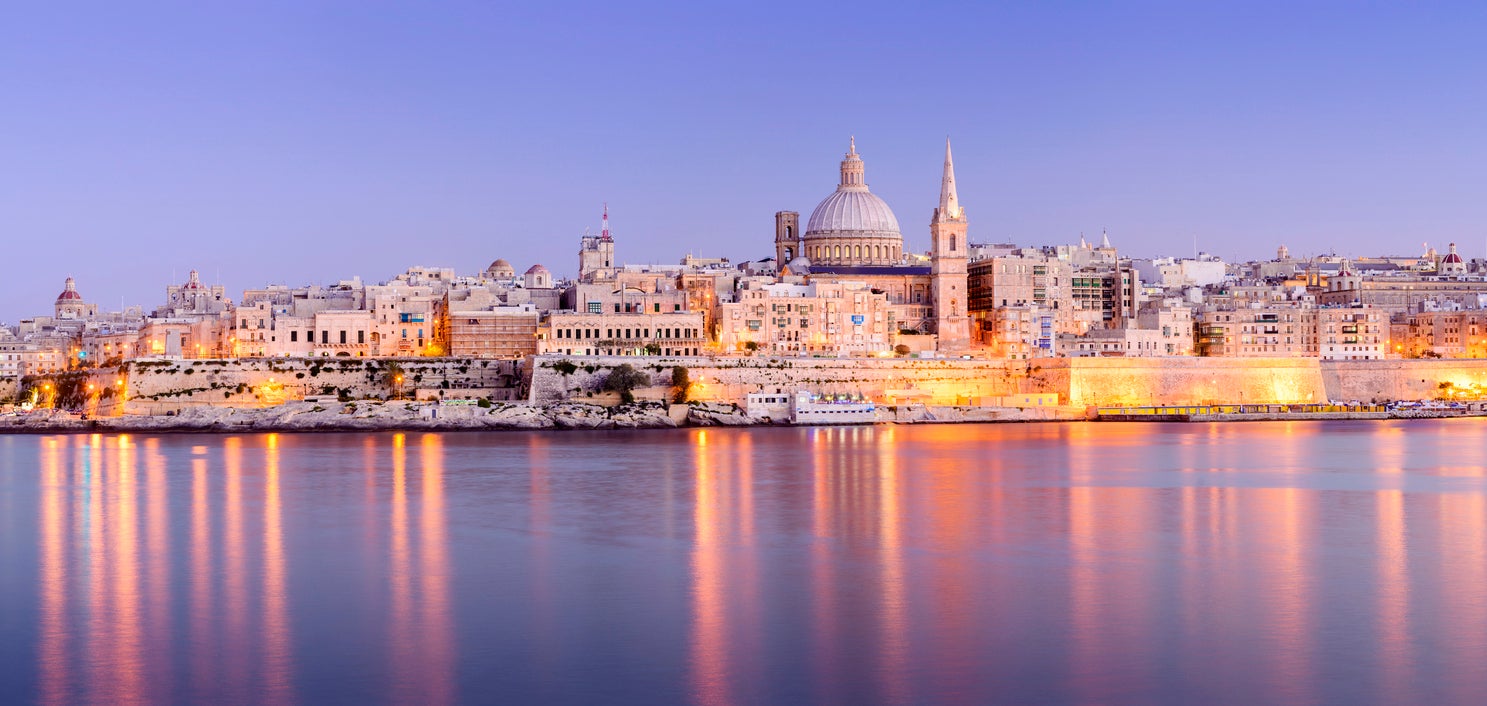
[(816, 319)]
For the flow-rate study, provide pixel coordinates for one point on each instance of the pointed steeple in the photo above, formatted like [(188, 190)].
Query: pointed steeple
[(949, 203), (1104, 239)]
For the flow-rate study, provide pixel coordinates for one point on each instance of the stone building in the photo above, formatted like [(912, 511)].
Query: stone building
[(1449, 333), (633, 333), (596, 254), (1299, 329), (502, 332), (816, 319)]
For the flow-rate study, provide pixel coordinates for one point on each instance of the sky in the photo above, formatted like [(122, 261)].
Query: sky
[(302, 142)]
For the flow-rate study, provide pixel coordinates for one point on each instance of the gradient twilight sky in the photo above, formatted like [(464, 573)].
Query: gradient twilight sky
[(296, 142)]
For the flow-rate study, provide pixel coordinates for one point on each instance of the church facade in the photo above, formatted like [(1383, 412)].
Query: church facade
[(853, 236)]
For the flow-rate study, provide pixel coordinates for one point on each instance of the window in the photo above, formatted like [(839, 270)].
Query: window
[(361, 336), (596, 308), (324, 337), (294, 336)]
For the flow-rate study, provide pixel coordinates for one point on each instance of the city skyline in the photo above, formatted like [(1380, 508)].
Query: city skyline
[(368, 146)]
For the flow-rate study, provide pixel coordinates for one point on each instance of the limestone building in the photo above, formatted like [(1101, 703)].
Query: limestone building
[(831, 319), (596, 254), (632, 333)]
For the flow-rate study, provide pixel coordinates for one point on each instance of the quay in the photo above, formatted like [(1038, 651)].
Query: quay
[(1285, 412)]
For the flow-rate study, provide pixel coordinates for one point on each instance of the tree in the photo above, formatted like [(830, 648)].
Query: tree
[(681, 380), (901, 350), (751, 346), (392, 377), (624, 379)]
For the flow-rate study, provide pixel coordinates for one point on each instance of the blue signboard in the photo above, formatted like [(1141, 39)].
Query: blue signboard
[(857, 319)]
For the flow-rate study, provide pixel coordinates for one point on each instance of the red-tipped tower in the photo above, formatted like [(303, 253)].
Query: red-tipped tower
[(604, 233)]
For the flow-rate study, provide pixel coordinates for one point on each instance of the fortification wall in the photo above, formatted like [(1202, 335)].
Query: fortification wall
[(159, 386), (948, 382), (1077, 381), (1369, 380), (1178, 381), (156, 387)]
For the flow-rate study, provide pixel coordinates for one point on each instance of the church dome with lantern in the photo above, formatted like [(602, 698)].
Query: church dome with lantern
[(852, 226)]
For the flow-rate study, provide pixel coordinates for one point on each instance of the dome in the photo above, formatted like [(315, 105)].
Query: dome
[(69, 292), (799, 266), (501, 268), (1453, 258), (852, 213), (852, 227), (537, 270)]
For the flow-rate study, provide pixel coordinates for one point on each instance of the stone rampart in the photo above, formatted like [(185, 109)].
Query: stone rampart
[(1414, 379), (1180, 381), (159, 386), (1078, 382), (165, 385), (730, 380)]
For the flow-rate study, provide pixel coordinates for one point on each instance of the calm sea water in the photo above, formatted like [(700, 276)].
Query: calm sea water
[(1098, 563)]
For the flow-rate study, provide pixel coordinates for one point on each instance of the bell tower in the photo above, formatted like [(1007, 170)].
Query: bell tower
[(948, 255), (786, 238)]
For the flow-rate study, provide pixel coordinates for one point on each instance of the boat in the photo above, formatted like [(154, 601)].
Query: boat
[(812, 409)]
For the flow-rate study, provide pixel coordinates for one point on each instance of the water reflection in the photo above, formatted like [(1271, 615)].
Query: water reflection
[(709, 640), (277, 685), (54, 636), (1026, 563)]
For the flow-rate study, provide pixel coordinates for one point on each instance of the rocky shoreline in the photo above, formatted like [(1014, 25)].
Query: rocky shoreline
[(429, 416), (388, 416)]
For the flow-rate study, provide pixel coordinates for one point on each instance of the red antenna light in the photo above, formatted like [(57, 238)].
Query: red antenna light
[(605, 233)]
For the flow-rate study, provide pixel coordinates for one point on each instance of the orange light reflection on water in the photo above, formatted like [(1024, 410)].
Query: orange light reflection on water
[(709, 646), (277, 685), (53, 635)]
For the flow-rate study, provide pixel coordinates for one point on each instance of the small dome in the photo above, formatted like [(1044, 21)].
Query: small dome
[(501, 269), (537, 270), (799, 266), (69, 292)]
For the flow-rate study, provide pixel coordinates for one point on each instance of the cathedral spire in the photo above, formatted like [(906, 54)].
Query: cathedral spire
[(949, 203)]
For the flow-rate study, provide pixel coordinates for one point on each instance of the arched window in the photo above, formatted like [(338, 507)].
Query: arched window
[(952, 242), (838, 251), (789, 232), (858, 251)]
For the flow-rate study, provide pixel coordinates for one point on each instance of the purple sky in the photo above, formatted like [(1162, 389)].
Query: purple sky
[(300, 141)]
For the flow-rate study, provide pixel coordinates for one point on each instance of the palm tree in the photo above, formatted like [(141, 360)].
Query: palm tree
[(392, 377)]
